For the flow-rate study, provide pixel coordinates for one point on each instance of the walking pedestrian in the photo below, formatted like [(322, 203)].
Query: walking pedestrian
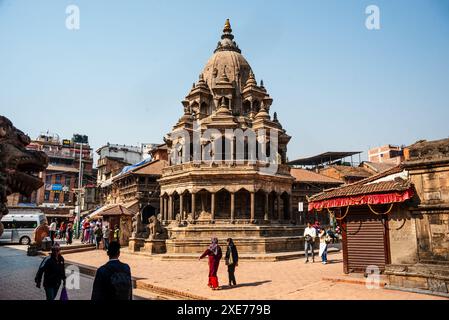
[(53, 270), (106, 235), (117, 233), (324, 241), (86, 225), (98, 235), (113, 280), (53, 231), (62, 230), (232, 259), (309, 238), (214, 252), (69, 233), (91, 232)]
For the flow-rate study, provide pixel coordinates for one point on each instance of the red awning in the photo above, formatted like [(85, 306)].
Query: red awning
[(376, 198)]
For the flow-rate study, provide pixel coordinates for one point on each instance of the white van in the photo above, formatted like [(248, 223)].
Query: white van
[(19, 227)]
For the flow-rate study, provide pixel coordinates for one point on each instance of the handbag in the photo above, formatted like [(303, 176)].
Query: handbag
[(64, 296)]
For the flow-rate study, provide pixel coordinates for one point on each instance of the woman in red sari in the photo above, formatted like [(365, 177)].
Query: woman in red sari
[(214, 253)]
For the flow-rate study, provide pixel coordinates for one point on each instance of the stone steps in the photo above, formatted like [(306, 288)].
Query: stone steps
[(268, 257)]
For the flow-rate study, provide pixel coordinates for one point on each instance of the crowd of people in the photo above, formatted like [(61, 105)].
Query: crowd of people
[(326, 236), (97, 231), (92, 231), (113, 280)]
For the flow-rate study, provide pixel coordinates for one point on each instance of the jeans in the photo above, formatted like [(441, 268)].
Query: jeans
[(308, 245), (106, 243), (97, 242), (324, 256), (51, 292)]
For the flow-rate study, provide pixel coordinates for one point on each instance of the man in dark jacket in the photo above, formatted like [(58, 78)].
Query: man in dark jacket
[(53, 270), (113, 280)]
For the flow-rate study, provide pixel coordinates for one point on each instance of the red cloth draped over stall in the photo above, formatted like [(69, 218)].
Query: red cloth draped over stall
[(377, 198)]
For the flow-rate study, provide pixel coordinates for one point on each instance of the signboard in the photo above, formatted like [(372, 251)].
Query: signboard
[(79, 138), (300, 206), (56, 187), (66, 142)]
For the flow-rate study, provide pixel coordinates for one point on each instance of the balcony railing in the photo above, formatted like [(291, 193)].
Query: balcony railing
[(228, 165)]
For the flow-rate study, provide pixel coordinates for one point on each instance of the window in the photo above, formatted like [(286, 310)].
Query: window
[(56, 197), (68, 180), (66, 196), (20, 224), (47, 195), (48, 178), (58, 179)]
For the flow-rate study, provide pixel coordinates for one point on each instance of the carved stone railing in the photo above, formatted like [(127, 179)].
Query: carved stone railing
[(282, 169)]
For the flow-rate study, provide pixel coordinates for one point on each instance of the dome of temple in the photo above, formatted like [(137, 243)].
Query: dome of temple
[(227, 57)]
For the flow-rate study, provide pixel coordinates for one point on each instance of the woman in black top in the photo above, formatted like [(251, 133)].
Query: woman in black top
[(232, 258), (53, 270)]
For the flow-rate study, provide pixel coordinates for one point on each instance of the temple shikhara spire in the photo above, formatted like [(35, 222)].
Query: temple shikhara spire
[(227, 162)]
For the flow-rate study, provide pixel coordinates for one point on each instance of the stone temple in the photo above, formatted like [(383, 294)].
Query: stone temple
[(227, 174)]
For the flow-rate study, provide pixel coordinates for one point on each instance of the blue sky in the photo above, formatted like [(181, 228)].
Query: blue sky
[(336, 85)]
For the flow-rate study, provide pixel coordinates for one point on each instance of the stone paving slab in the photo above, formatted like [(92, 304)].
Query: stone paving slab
[(290, 279), (17, 274)]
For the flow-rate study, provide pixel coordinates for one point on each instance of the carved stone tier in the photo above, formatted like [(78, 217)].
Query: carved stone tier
[(250, 239)]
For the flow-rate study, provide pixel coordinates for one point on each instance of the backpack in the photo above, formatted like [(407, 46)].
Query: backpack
[(121, 284)]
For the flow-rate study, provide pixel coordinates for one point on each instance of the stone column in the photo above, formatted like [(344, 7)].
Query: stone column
[(279, 206), (290, 208), (232, 206), (164, 200), (170, 207), (252, 206), (193, 206), (266, 217), (202, 202), (161, 207), (181, 206), (212, 205)]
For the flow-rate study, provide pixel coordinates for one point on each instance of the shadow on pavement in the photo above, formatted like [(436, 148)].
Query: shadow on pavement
[(250, 284)]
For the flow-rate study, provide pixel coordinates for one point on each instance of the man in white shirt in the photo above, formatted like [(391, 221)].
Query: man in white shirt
[(309, 237), (52, 231)]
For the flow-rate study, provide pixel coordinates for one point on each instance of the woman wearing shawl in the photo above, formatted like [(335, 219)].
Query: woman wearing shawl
[(214, 253)]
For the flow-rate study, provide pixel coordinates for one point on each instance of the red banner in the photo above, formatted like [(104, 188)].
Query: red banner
[(381, 198)]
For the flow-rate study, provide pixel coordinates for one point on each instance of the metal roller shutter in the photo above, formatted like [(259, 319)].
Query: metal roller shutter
[(366, 243)]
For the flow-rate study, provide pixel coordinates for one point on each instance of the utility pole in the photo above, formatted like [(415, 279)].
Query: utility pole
[(80, 184)]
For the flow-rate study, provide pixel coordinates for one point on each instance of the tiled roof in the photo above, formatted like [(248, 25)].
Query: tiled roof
[(378, 166), (348, 171), (116, 210), (303, 175), (357, 189), (153, 168), (361, 187)]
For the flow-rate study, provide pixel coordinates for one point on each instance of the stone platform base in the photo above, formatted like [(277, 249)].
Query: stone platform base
[(147, 246), (249, 238), (433, 279)]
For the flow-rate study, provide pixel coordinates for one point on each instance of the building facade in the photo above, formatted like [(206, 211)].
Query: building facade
[(386, 154), (61, 176), (397, 222)]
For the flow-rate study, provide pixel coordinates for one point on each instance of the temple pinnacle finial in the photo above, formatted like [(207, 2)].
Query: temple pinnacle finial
[(227, 26)]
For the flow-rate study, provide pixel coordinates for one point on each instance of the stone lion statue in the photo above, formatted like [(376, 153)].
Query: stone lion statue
[(156, 231), (140, 229)]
